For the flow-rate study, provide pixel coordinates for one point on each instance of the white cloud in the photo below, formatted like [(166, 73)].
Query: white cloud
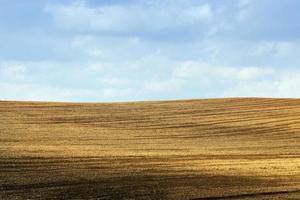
[(34, 92), (166, 86), (205, 70), (273, 48), (281, 83), (200, 77), (279, 87), (198, 13), (127, 17), (115, 82), (83, 40), (73, 16), (95, 52), (13, 71), (288, 85), (88, 45), (244, 3), (245, 9), (115, 93)]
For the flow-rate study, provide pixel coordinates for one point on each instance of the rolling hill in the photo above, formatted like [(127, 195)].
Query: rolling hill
[(235, 148)]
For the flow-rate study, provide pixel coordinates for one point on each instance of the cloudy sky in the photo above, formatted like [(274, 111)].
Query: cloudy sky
[(118, 50)]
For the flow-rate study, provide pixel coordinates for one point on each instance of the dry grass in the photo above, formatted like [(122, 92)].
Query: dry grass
[(217, 148)]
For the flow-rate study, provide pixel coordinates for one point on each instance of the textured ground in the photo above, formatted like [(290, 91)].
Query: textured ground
[(196, 149)]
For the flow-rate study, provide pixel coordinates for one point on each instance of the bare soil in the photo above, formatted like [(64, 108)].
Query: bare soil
[(243, 148)]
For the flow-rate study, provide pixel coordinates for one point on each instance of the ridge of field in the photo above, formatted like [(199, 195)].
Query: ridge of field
[(233, 148)]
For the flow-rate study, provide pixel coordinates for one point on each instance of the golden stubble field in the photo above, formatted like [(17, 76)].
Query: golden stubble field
[(243, 148)]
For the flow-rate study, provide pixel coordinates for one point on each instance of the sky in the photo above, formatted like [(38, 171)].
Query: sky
[(136, 50)]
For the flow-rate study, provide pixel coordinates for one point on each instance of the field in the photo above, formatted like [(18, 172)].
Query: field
[(243, 148)]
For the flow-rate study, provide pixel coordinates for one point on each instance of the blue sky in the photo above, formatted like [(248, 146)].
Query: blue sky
[(118, 50)]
